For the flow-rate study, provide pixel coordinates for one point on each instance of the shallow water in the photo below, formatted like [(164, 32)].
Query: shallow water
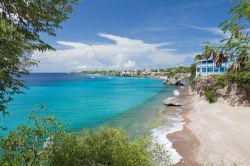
[(91, 101)]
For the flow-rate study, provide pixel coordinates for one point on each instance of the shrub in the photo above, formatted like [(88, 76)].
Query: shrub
[(107, 146), (241, 78), (170, 74), (221, 81), (172, 71), (193, 73), (212, 83), (210, 94), (25, 145)]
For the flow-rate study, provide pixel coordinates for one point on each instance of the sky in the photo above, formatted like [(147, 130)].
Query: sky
[(133, 34)]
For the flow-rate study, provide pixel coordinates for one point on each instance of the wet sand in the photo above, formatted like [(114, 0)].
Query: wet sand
[(185, 142)]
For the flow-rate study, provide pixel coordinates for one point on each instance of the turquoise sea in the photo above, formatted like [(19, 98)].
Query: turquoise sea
[(92, 101)]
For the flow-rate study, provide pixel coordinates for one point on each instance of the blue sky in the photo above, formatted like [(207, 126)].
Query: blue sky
[(131, 34)]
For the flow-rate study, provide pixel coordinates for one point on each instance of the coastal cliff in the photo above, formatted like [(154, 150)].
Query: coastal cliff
[(215, 86)]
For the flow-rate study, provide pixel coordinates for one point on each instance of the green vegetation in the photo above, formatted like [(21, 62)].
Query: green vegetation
[(209, 89), (236, 47), (193, 73), (24, 146), (44, 142), (107, 146), (21, 23), (216, 82), (170, 72), (240, 78), (210, 94), (238, 44), (221, 81)]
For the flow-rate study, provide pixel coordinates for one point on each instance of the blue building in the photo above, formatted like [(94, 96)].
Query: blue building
[(208, 67)]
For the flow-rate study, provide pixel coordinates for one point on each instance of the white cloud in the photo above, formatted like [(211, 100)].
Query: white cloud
[(130, 64), (212, 30), (125, 53)]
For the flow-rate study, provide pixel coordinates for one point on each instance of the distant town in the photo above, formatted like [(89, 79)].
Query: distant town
[(155, 73)]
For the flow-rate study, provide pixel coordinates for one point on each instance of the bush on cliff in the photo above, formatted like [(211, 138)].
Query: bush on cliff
[(225, 86), (240, 78), (221, 81), (210, 94), (193, 73)]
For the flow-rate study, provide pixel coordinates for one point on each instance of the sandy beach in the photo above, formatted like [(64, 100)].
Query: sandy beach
[(213, 133)]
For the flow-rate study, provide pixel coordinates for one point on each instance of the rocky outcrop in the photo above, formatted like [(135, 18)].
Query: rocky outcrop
[(180, 79), (171, 101), (236, 95), (199, 83), (231, 92)]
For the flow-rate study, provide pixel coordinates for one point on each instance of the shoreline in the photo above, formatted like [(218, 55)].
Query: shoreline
[(172, 130), (212, 134), (184, 141)]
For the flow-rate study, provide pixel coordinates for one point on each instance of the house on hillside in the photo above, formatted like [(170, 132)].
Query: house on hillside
[(208, 67)]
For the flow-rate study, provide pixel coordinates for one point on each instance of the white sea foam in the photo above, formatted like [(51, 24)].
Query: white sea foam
[(92, 77), (160, 136), (176, 93)]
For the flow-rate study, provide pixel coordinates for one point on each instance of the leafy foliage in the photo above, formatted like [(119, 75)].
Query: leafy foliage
[(107, 146), (21, 23), (29, 18), (238, 42), (199, 57), (193, 73), (44, 142), (172, 71), (210, 94), (221, 81), (237, 45), (30, 144), (240, 78), (13, 66)]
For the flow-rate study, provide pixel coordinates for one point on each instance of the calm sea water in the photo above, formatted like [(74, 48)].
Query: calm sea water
[(91, 101)]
